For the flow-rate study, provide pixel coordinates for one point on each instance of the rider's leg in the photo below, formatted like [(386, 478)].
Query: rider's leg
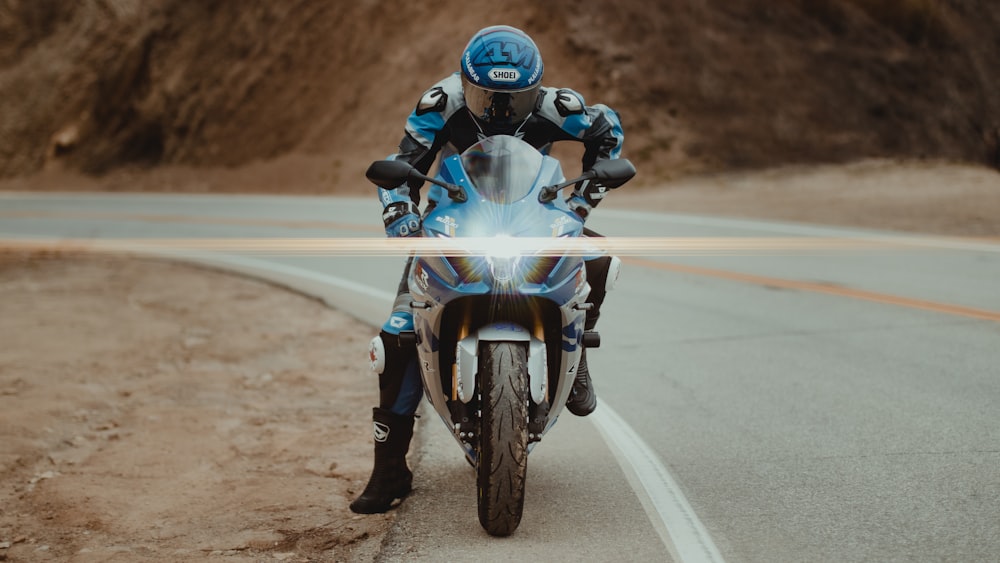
[(399, 396), (582, 398)]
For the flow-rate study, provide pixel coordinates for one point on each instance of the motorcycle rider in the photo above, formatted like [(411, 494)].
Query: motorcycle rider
[(497, 91)]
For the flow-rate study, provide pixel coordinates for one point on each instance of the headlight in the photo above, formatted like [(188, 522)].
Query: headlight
[(506, 260), (503, 268), (503, 258)]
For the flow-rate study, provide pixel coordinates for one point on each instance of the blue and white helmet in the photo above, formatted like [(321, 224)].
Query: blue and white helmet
[(501, 76)]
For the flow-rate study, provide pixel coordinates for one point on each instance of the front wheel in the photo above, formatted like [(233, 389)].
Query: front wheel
[(502, 463)]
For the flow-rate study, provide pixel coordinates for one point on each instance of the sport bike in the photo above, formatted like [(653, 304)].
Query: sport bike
[(499, 297)]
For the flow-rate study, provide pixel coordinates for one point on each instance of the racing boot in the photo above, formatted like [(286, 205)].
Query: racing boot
[(391, 479), (582, 398)]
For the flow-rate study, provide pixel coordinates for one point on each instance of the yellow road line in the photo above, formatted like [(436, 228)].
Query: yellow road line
[(876, 297)]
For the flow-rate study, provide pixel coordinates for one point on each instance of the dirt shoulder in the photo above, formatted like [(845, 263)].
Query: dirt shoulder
[(155, 411)]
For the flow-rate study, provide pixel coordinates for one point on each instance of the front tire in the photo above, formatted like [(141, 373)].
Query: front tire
[(502, 462)]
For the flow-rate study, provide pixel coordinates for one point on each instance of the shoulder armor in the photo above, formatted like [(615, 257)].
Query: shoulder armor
[(434, 109), (433, 100), (559, 103), (445, 98), (568, 102), (565, 108)]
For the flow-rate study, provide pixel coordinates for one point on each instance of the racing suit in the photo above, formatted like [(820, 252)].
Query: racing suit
[(441, 124)]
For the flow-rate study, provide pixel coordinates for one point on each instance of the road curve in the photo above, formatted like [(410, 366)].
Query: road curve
[(809, 399)]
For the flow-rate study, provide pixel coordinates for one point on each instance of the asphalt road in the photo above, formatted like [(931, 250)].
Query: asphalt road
[(796, 393)]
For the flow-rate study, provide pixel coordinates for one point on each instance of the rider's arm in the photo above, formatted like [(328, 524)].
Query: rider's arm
[(424, 137), (603, 140), (598, 127), (400, 205)]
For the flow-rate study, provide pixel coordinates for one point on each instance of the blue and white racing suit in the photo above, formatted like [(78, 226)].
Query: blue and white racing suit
[(441, 123)]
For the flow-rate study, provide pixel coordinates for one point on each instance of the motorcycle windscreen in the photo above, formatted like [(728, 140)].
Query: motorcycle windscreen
[(502, 169)]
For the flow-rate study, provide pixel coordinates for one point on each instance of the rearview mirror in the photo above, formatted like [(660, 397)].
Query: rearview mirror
[(389, 174), (613, 173)]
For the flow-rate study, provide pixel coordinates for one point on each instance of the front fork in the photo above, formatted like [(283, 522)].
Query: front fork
[(464, 405), (465, 417)]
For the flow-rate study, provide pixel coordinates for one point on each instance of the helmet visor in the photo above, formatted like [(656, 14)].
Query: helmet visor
[(500, 107)]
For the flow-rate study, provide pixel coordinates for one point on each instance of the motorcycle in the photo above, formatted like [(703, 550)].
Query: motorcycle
[(499, 306)]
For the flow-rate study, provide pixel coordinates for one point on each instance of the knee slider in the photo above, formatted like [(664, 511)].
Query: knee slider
[(387, 355), (376, 354)]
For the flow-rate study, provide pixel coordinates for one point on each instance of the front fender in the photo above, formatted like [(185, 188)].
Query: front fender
[(467, 358)]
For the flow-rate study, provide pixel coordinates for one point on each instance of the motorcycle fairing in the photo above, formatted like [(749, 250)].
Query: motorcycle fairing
[(457, 295)]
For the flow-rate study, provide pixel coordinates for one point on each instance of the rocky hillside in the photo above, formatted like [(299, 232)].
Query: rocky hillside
[(100, 85)]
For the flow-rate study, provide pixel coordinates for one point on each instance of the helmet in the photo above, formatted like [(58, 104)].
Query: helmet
[(501, 76)]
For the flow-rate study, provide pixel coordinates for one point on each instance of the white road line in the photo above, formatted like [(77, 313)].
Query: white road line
[(679, 528), (364, 303)]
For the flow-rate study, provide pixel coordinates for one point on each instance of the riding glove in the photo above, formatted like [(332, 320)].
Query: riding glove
[(401, 219)]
